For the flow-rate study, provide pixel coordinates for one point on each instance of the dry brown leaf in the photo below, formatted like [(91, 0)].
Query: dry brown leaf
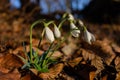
[(92, 75), (40, 52), (9, 62), (117, 67), (118, 76), (14, 75), (116, 48), (87, 55), (56, 55), (34, 71), (21, 49), (107, 50), (53, 72), (26, 77), (16, 26), (117, 60), (105, 77), (102, 49), (65, 76), (91, 56), (75, 61), (45, 46), (36, 42), (2, 48), (16, 51), (97, 62), (117, 63)]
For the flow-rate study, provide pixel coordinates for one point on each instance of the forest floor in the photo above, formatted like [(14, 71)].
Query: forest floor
[(78, 60)]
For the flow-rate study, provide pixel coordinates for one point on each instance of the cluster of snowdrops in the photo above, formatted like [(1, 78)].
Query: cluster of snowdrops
[(41, 62)]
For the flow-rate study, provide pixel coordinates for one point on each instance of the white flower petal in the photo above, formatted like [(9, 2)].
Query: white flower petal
[(93, 37), (87, 36), (49, 34), (57, 32), (71, 17), (75, 32), (72, 25)]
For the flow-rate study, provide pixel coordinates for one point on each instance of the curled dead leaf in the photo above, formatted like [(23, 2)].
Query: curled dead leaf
[(9, 62), (117, 63), (75, 61), (97, 62), (53, 72), (116, 48), (102, 49), (87, 55), (92, 75), (14, 75)]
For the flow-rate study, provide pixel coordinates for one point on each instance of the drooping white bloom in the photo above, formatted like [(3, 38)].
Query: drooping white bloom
[(49, 34), (57, 32), (88, 37), (71, 17), (81, 23), (75, 31)]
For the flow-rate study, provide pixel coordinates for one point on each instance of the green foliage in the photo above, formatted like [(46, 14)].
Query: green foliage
[(38, 62)]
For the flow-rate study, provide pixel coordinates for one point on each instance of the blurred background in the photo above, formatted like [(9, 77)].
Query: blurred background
[(101, 17), (97, 11)]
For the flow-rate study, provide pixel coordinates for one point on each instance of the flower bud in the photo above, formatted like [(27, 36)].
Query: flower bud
[(49, 34), (88, 37), (75, 32), (57, 32)]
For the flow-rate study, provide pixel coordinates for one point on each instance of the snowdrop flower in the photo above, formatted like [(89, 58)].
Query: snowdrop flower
[(88, 37), (75, 32), (57, 32), (70, 17), (49, 34)]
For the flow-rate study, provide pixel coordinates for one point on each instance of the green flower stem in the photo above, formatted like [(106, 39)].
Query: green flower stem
[(31, 27), (50, 22), (84, 28), (64, 15), (61, 23), (56, 47), (41, 38), (25, 51), (37, 67), (45, 60), (39, 42)]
